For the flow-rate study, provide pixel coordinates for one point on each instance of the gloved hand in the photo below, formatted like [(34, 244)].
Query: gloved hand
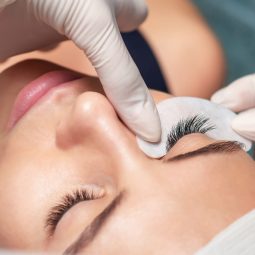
[(93, 25), (240, 97)]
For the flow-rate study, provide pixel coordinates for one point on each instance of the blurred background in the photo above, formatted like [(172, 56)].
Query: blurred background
[(233, 21)]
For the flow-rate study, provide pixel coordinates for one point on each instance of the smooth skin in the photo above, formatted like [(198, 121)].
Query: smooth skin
[(72, 138)]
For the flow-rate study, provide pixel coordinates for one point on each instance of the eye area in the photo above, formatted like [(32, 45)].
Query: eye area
[(191, 125), (87, 193)]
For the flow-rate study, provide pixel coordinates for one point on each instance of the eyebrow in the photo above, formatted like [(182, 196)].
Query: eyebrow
[(217, 147), (91, 231)]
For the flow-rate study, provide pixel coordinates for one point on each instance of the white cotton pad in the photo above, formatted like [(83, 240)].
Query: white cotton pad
[(173, 110)]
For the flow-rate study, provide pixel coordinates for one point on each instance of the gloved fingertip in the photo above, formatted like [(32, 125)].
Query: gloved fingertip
[(149, 127), (224, 98), (149, 135), (218, 97), (244, 124)]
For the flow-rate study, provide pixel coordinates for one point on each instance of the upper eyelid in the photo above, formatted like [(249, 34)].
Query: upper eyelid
[(67, 202), (94, 227)]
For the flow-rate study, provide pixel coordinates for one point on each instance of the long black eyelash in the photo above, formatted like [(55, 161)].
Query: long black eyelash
[(194, 124), (58, 211)]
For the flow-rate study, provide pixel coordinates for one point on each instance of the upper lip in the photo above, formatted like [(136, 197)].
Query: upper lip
[(36, 89)]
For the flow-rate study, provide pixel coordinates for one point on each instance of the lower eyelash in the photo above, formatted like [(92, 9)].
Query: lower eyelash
[(190, 125)]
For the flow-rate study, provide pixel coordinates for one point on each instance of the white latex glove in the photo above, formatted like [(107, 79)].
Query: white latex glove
[(240, 97), (93, 25)]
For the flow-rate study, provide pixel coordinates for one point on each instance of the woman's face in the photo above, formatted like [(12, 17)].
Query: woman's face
[(72, 178)]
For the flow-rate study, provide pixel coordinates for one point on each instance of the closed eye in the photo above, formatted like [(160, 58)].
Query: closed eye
[(67, 202), (190, 125)]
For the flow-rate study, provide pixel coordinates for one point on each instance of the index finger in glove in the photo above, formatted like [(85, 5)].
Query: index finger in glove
[(239, 95), (123, 83), (92, 26)]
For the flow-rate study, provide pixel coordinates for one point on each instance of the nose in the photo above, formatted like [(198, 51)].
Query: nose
[(93, 122)]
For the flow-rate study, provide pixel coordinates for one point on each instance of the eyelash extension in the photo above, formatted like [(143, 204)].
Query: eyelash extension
[(191, 125), (71, 199)]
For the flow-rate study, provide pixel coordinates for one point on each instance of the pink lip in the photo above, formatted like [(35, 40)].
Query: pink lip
[(35, 90)]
